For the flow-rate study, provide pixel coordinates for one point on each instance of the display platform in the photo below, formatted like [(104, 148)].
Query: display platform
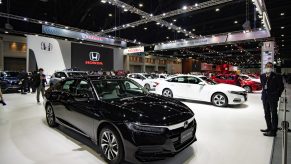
[(225, 136)]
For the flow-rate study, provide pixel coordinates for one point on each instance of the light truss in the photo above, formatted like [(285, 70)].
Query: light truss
[(147, 17), (41, 22)]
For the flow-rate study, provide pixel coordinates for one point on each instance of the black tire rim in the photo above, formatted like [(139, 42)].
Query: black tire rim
[(50, 115), (109, 145)]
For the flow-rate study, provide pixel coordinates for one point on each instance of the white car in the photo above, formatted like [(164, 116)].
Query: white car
[(148, 81), (201, 88), (58, 76)]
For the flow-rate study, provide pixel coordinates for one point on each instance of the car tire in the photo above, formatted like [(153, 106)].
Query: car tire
[(50, 116), (219, 99), (147, 87), (111, 145), (248, 89), (167, 93)]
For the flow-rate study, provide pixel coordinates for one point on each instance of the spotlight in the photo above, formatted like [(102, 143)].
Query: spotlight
[(103, 1), (140, 5), (184, 7)]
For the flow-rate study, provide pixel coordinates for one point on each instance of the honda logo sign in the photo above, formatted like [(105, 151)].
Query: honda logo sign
[(45, 46), (94, 56)]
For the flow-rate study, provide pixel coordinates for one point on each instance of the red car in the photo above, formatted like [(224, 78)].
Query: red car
[(247, 84)]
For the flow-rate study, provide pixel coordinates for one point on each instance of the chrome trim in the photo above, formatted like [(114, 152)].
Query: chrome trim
[(170, 127)]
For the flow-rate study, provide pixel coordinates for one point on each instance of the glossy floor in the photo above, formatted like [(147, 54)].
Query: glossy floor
[(225, 136)]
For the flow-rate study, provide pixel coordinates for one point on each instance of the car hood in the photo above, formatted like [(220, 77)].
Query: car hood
[(154, 110), (229, 87)]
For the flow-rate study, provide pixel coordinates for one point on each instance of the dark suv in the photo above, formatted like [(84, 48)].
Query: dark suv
[(9, 80), (125, 121)]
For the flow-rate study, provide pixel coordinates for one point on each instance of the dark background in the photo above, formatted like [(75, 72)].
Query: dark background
[(80, 54)]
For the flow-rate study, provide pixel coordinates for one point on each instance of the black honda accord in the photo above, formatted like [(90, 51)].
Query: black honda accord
[(125, 121)]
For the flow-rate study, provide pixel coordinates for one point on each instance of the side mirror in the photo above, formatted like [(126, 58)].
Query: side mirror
[(201, 83)]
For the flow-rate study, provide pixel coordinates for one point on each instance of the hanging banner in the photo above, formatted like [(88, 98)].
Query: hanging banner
[(224, 38), (80, 35), (133, 50), (267, 54)]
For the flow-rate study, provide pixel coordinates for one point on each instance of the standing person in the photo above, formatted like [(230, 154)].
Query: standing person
[(23, 76), (273, 87), (40, 81), (33, 77), (1, 98)]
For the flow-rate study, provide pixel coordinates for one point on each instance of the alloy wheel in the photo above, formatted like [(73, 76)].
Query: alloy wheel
[(109, 145), (248, 89), (50, 115), (219, 100), (167, 93)]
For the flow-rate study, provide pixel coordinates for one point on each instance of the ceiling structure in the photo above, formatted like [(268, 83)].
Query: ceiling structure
[(97, 16)]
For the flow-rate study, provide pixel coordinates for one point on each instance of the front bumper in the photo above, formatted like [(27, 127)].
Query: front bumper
[(143, 146), (237, 99)]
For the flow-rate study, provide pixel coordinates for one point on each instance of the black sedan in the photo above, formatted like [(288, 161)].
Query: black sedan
[(121, 118)]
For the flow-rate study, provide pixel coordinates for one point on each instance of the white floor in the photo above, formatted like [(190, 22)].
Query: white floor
[(225, 136)]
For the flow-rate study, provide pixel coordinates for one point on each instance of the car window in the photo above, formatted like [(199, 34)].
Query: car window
[(162, 77), (178, 80), (230, 78), (69, 86), (62, 74), (193, 80), (83, 88), (244, 77), (117, 89), (57, 75)]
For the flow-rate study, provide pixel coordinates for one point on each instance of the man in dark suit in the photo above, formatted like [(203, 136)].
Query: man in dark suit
[(273, 87)]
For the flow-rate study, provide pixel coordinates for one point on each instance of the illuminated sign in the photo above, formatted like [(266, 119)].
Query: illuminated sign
[(94, 59), (81, 35), (133, 50)]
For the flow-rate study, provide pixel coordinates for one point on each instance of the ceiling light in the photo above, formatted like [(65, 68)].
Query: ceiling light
[(36, 35), (67, 27), (282, 35), (110, 14), (282, 40), (123, 6), (158, 23), (178, 31), (171, 24), (40, 22), (103, 1), (25, 19), (167, 37), (140, 5), (145, 28), (235, 22), (193, 29), (164, 14), (260, 29), (196, 4), (282, 45), (184, 7), (282, 27), (125, 10), (174, 20), (151, 15), (217, 9), (6, 32), (282, 14)]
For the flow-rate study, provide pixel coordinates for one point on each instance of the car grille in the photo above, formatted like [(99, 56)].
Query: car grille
[(175, 135)]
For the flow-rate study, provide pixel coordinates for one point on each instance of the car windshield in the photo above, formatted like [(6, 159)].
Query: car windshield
[(74, 74), (118, 89), (208, 81), (11, 74)]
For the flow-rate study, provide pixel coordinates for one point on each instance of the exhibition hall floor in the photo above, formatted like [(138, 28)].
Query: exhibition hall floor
[(225, 136)]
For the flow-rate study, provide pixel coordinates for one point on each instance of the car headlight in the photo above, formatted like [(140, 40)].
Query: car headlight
[(237, 92), (144, 128)]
